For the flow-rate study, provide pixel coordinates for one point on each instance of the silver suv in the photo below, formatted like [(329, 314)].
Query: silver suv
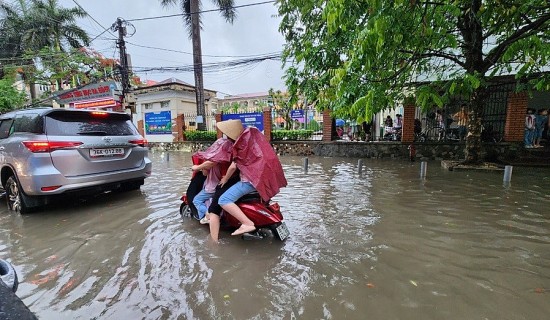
[(46, 152)]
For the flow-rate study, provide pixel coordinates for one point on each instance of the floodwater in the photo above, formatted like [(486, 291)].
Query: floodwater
[(379, 244)]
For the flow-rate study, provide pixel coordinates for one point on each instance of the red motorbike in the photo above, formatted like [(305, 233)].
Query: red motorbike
[(266, 216)]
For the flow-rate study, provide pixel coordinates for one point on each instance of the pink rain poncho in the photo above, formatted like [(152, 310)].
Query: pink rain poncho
[(219, 151), (258, 163)]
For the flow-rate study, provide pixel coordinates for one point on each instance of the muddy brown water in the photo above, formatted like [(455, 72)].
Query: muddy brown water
[(380, 244)]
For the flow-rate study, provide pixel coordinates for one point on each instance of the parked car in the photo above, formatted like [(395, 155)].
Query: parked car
[(49, 152)]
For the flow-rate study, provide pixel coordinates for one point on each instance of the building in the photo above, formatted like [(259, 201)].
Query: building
[(247, 102), (164, 110)]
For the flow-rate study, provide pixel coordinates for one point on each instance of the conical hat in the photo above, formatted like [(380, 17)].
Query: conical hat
[(231, 128)]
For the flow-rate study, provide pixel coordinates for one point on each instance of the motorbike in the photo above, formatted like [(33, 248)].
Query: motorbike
[(267, 216)]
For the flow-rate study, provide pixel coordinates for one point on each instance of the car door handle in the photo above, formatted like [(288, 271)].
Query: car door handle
[(1, 148)]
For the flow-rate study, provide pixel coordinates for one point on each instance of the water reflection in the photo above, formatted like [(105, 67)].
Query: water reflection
[(379, 244)]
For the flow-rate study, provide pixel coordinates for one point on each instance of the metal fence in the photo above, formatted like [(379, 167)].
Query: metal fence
[(295, 124)]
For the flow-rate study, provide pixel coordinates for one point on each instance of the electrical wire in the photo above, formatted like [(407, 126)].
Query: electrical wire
[(204, 55), (202, 11)]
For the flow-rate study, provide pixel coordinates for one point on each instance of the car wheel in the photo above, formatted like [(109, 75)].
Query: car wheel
[(15, 197)]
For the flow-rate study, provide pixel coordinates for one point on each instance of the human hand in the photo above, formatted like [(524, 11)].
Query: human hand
[(194, 167)]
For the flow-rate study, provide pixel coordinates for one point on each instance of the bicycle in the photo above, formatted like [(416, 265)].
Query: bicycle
[(438, 133)]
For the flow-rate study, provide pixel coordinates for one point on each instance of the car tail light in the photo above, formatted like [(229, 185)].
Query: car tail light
[(139, 142), (50, 188), (49, 146), (100, 114)]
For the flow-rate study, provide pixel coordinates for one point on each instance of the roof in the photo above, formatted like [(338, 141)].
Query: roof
[(247, 95), (169, 81)]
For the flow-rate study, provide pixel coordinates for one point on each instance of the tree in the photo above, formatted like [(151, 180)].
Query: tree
[(191, 11), (61, 33), (11, 98), (282, 103), (432, 50), (28, 27)]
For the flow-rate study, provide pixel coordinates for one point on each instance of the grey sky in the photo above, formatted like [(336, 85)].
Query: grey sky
[(254, 32)]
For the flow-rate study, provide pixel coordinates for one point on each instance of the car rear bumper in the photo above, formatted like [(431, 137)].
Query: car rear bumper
[(56, 184)]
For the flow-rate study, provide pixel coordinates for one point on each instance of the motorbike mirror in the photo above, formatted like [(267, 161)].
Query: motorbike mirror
[(8, 275)]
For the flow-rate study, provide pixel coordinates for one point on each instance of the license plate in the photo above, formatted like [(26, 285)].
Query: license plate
[(106, 152), (282, 231)]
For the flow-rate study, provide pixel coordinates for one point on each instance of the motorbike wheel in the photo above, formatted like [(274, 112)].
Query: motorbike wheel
[(8, 275), (185, 211)]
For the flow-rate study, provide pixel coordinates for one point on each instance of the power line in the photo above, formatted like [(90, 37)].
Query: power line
[(204, 55), (89, 15), (203, 11)]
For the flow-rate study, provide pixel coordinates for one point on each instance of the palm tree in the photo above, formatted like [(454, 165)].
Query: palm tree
[(20, 34), (27, 27), (60, 30), (191, 10)]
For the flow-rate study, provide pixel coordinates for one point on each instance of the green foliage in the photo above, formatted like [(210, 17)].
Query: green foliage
[(200, 135), (291, 135), (361, 57), (30, 28), (313, 125), (10, 98)]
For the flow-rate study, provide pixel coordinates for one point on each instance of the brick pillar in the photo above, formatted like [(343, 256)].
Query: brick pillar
[(180, 127), (327, 125), (140, 128), (515, 117), (268, 123), (218, 117), (407, 134)]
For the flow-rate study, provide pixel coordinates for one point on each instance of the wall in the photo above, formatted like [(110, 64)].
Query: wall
[(379, 150)]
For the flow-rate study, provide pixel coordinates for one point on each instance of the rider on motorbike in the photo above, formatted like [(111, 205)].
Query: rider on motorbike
[(259, 166)]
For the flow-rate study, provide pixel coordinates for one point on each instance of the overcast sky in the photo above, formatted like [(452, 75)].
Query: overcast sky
[(254, 32)]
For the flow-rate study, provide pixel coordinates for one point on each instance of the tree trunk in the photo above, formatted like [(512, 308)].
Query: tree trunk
[(473, 139), (197, 63)]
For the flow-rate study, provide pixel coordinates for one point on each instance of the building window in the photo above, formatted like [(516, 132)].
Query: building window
[(165, 104), (148, 106)]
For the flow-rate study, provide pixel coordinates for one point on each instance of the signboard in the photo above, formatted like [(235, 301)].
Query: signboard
[(158, 122), (96, 104), (88, 92), (297, 115), (255, 119)]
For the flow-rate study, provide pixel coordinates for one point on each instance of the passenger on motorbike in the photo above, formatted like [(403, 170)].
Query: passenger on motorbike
[(217, 158)]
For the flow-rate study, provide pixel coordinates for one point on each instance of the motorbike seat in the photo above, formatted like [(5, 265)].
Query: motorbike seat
[(253, 196)]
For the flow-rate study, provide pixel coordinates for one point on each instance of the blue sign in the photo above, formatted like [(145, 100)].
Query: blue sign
[(297, 115), (158, 122), (255, 119)]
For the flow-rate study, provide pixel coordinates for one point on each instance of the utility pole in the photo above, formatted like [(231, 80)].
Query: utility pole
[(118, 26), (197, 64)]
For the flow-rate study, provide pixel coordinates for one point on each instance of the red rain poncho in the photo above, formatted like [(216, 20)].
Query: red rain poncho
[(219, 151), (258, 163)]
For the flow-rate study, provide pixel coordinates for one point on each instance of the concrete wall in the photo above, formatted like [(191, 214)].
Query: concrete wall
[(379, 150)]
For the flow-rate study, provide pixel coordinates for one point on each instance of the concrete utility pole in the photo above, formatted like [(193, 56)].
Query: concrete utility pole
[(123, 58)]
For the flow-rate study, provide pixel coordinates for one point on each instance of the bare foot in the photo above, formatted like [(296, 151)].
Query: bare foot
[(243, 229)]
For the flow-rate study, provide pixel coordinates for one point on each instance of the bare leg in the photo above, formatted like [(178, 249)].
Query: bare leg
[(214, 226), (246, 224)]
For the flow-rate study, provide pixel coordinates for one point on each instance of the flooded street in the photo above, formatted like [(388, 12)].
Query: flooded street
[(380, 244)]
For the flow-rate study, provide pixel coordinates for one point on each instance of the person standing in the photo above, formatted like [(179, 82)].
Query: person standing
[(529, 129), (540, 121), (462, 122)]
